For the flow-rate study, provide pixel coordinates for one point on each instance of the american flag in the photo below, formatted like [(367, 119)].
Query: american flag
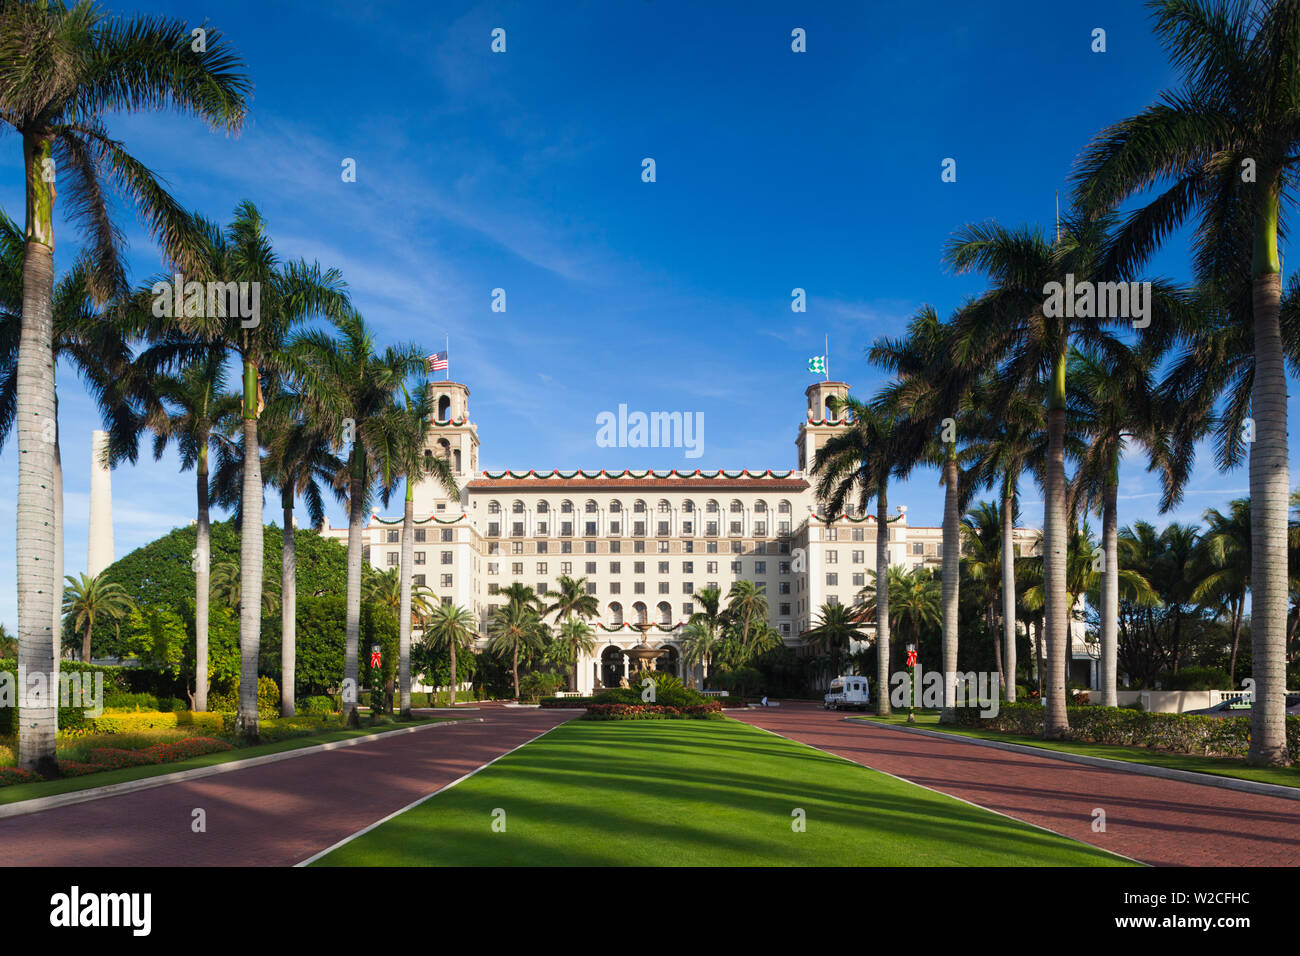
[(437, 362)]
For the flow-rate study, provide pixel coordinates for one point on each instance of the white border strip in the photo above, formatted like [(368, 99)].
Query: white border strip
[(429, 796), (950, 796), (37, 804)]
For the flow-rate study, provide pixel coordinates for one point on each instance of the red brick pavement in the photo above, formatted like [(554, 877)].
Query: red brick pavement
[(1157, 821), (276, 814)]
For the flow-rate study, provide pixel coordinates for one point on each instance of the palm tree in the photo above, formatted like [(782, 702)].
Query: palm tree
[(300, 463), (834, 632), (513, 627), (746, 607), (982, 560), (703, 631), (933, 387), (916, 602), (861, 460), (227, 587), (573, 599), (56, 103), (1112, 399), (1222, 146), (193, 410), (400, 452), (289, 294), (1226, 544), (452, 627), (88, 598), (576, 639)]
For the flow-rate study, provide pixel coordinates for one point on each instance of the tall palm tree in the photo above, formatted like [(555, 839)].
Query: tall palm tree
[(289, 294), (193, 409), (859, 461), (384, 588), (836, 628), (573, 599), (933, 388), (87, 599), (1113, 401), (452, 627), (577, 640), (746, 608), (300, 462), (400, 452), (513, 627), (1226, 581), (1223, 145), (227, 587), (982, 559), (703, 630), (916, 601), (105, 65)]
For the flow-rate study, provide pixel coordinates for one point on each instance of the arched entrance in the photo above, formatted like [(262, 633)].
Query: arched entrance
[(612, 668), (669, 662)]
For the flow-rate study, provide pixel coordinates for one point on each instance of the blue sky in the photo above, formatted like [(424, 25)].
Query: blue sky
[(522, 171)]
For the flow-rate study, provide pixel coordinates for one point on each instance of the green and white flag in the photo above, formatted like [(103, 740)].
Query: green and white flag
[(817, 363)]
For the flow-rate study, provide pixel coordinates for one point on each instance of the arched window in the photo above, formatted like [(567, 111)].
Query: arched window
[(663, 507), (494, 507), (784, 507), (760, 507), (444, 449), (665, 613), (444, 408), (615, 614), (455, 459), (638, 611)]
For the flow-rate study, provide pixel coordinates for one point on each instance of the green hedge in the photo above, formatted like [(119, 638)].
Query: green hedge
[(1122, 726)]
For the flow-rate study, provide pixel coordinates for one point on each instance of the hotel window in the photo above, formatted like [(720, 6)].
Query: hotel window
[(638, 529), (783, 587), (448, 534), (566, 567), (589, 529), (688, 610), (517, 529), (783, 527), (711, 507), (615, 507), (711, 547), (832, 534), (638, 587), (494, 567), (616, 547), (638, 507), (590, 508), (566, 529), (688, 527), (541, 547), (663, 567), (638, 567), (857, 557), (615, 587), (760, 567), (494, 507), (517, 568), (832, 579), (590, 547), (760, 529), (591, 567), (785, 628), (737, 547), (918, 547), (688, 507), (735, 567), (591, 587), (419, 557), (566, 507), (711, 584), (542, 528), (394, 537), (663, 507), (760, 507), (736, 507), (711, 529), (494, 529), (615, 528), (859, 579), (541, 567), (446, 601), (785, 608), (663, 587), (688, 567), (638, 547), (832, 557), (859, 534), (446, 580), (541, 587), (494, 549), (688, 587), (421, 535), (418, 580), (516, 547), (442, 507), (783, 508), (662, 547), (566, 547), (615, 567), (542, 507), (494, 588), (688, 547), (392, 559), (711, 567), (661, 529), (784, 567), (833, 601), (517, 507), (785, 547)]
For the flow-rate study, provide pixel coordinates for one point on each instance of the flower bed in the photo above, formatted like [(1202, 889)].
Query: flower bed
[(707, 711), (111, 758), (10, 775)]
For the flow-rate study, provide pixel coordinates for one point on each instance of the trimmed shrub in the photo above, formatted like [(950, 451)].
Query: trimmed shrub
[(129, 722), (1200, 678), (319, 704), (709, 710), (226, 700)]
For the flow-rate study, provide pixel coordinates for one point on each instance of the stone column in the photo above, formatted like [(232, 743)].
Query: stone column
[(99, 554)]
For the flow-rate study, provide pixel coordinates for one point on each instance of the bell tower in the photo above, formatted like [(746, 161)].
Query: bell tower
[(819, 422), (450, 436)]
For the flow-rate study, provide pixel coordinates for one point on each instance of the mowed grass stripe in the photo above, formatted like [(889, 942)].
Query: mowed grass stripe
[(698, 793)]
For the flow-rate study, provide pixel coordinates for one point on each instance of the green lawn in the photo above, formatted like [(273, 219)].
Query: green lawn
[(1219, 766), (697, 793), (47, 788)]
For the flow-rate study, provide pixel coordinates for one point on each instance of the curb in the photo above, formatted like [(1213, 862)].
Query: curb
[(37, 804), (1106, 763)]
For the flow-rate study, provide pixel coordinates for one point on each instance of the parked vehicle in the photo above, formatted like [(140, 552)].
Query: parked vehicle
[(1241, 707), (850, 691)]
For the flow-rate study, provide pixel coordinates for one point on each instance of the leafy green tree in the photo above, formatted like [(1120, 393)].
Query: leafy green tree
[(836, 628), (575, 639), (452, 628), (572, 599), (87, 598), (1226, 580), (106, 66), (515, 627)]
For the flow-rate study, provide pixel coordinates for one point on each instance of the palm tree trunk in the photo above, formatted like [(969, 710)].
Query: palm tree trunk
[(1110, 589), (451, 694), (34, 414), (404, 611), (1236, 638), (1056, 609), (950, 580), (288, 608), (882, 602), (1269, 480), (250, 564), (1038, 663), (57, 625), (515, 668), (356, 511), (90, 626), (1009, 587), (202, 576)]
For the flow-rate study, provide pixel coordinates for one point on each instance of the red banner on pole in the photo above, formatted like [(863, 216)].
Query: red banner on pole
[(374, 658), (911, 658)]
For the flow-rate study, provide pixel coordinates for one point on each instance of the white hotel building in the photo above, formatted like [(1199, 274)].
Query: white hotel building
[(646, 541)]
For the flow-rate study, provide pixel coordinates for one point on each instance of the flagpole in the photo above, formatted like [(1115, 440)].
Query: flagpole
[(447, 343), (826, 347)]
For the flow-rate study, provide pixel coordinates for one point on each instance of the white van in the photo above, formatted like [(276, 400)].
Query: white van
[(848, 691)]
